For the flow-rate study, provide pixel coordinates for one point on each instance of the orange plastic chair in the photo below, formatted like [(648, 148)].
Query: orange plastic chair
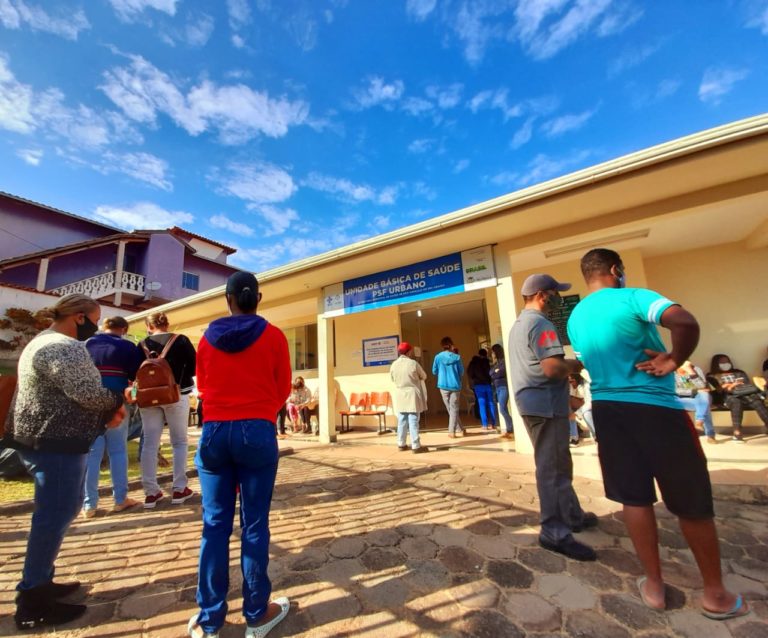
[(358, 402), (380, 402)]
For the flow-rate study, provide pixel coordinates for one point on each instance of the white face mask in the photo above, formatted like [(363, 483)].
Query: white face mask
[(724, 366)]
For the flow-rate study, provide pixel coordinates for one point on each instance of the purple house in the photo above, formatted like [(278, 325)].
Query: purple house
[(52, 251)]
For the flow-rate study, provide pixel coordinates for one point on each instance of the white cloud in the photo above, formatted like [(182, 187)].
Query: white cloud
[(446, 97), (31, 156), (278, 219), (618, 19), (348, 191), (505, 179), (199, 29), (422, 189), (130, 9), (548, 40), (142, 215), (15, 102), (523, 135), (419, 9), (378, 92), (565, 123), (238, 42), (416, 106), (631, 58), (497, 99), (417, 147), (256, 182), (477, 24), (757, 12), (542, 167), (15, 13), (237, 112), (143, 167), (460, 166), (225, 223), (717, 82), (239, 13), (22, 110), (661, 91), (287, 249)]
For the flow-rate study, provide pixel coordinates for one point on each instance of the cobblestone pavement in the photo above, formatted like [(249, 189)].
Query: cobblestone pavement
[(400, 548)]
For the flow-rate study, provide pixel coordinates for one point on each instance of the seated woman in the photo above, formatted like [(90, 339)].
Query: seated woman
[(297, 405), (739, 392), (693, 391)]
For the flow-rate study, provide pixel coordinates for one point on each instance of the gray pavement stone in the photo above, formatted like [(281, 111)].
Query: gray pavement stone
[(746, 586), (691, 624), (751, 568), (750, 629), (470, 592), (531, 611), (509, 574), (566, 591), (460, 560), (541, 560), (347, 547), (419, 547), (378, 558), (590, 624), (632, 612), (489, 624)]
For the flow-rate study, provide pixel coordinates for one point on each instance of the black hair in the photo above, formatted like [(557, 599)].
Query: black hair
[(243, 289), (446, 342), (482, 352), (713, 369), (498, 351), (599, 261)]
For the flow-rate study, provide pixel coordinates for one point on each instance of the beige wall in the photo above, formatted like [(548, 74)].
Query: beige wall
[(717, 284)]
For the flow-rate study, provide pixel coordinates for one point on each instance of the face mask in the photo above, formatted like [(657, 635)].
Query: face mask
[(554, 302), (621, 279), (87, 330), (724, 366)]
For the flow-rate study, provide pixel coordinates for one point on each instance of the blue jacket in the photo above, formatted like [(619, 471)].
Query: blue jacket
[(116, 358), (448, 369)]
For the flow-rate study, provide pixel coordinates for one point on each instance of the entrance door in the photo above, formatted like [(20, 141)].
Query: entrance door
[(466, 323)]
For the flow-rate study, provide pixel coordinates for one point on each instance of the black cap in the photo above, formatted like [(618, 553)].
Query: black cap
[(239, 281), (537, 283)]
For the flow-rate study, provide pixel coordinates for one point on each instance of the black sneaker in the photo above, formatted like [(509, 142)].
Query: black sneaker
[(571, 548), (420, 450), (35, 608), (402, 448), (60, 590), (588, 521), (574, 441)]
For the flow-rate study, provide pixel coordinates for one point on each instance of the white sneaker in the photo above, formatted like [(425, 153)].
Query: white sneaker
[(263, 630)]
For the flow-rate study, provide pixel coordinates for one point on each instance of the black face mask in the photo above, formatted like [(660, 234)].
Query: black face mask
[(86, 330)]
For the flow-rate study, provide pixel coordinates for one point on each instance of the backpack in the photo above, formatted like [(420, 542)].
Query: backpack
[(155, 383)]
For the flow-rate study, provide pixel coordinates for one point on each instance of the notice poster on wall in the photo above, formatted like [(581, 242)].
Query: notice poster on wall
[(560, 317), (380, 351), (450, 274)]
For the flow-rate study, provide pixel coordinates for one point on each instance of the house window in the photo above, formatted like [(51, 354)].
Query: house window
[(190, 281), (302, 345), (129, 263)]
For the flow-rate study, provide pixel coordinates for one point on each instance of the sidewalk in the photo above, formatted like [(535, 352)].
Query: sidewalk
[(369, 541)]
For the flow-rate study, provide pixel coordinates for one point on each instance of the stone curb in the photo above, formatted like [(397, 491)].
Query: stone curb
[(19, 507)]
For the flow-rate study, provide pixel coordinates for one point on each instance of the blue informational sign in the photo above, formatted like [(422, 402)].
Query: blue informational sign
[(446, 275), (416, 281), (380, 351)]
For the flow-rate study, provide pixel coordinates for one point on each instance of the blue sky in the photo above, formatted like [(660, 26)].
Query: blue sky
[(286, 128)]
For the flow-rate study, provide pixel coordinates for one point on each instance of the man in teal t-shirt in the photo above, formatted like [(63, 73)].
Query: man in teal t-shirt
[(643, 433)]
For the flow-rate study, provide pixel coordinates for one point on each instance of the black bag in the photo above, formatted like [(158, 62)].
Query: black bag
[(745, 390)]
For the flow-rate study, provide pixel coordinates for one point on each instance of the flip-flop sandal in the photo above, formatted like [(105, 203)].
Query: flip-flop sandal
[(740, 608), (640, 582), (263, 630), (196, 631)]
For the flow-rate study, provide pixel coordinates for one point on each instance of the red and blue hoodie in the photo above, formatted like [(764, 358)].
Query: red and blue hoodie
[(243, 369)]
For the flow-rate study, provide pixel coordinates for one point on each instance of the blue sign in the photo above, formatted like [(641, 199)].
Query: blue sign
[(417, 281), (446, 275)]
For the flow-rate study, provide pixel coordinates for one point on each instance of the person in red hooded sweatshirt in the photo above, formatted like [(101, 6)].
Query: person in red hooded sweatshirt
[(244, 377)]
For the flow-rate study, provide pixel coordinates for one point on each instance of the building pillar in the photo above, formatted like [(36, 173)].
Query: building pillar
[(42, 274), (119, 273), (509, 308), (325, 375)]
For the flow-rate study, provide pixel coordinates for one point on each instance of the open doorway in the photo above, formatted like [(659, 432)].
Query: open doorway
[(465, 321)]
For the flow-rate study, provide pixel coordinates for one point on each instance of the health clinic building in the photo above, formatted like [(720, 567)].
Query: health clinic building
[(689, 217)]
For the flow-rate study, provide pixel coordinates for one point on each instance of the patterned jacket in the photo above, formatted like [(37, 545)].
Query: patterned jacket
[(60, 403)]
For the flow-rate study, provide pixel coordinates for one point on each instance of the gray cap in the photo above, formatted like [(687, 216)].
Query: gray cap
[(538, 282)]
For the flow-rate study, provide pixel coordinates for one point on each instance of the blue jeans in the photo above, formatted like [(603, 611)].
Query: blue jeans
[(485, 403), (231, 454), (700, 405), (409, 420), (115, 440), (58, 498), (574, 428), (502, 395)]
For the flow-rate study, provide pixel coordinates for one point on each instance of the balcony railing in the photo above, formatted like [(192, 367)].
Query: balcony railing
[(104, 285)]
